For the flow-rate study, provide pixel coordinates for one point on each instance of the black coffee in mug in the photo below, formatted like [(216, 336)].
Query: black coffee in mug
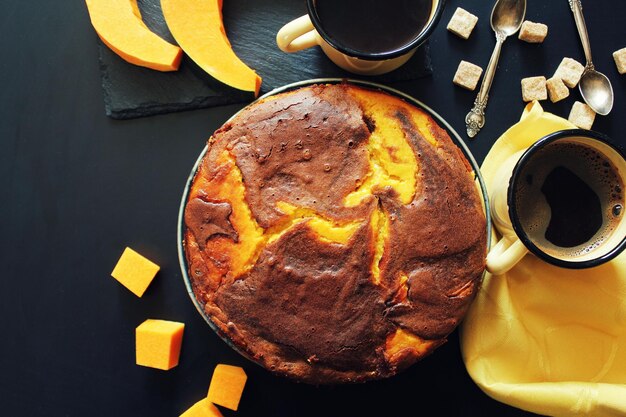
[(373, 26), (569, 199)]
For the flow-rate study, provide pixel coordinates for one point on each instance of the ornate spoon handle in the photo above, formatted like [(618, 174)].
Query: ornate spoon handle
[(577, 9), (475, 119)]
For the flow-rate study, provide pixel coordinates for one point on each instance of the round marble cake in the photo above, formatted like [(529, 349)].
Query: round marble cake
[(334, 233)]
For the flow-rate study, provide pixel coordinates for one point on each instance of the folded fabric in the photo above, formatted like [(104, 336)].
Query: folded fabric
[(545, 339)]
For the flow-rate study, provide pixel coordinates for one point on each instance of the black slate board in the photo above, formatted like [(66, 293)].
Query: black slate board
[(131, 91)]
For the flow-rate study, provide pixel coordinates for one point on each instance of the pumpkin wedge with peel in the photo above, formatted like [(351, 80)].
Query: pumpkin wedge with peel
[(118, 23), (198, 28)]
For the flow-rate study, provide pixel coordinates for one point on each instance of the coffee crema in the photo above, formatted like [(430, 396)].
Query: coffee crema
[(569, 199), (373, 26)]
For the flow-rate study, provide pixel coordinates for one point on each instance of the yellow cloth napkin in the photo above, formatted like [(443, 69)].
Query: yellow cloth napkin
[(544, 339)]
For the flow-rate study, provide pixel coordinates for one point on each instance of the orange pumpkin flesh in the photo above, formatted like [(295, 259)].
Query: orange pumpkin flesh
[(119, 25), (198, 28)]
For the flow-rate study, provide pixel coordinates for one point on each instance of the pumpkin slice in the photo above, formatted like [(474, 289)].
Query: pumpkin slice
[(118, 23), (198, 28)]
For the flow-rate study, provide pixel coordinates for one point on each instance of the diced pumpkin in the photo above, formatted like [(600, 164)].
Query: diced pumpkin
[(198, 28), (202, 408), (118, 23), (158, 343), (227, 386), (134, 271)]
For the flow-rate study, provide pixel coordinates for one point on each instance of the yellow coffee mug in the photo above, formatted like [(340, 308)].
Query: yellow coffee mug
[(522, 203), (308, 31)]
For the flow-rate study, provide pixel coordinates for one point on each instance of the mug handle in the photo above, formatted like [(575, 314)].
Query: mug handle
[(297, 35), (505, 255)]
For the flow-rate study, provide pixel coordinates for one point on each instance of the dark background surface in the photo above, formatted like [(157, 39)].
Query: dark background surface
[(77, 187)]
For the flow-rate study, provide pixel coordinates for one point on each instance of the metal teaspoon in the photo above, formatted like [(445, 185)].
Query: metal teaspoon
[(594, 86), (506, 18)]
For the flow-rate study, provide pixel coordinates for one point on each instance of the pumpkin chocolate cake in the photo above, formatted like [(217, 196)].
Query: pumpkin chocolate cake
[(334, 233)]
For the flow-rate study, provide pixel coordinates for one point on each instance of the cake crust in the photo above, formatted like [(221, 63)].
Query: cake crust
[(334, 234)]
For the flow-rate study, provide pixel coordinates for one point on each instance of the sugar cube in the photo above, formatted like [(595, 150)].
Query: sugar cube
[(569, 71), (620, 60), (462, 23), (557, 90), (534, 88), (467, 75), (533, 32), (582, 115)]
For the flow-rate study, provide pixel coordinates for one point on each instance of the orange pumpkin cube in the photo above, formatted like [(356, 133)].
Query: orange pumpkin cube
[(158, 343), (227, 386), (202, 408), (134, 271)]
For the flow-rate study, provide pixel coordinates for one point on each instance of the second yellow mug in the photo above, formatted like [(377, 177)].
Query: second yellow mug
[(562, 200)]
